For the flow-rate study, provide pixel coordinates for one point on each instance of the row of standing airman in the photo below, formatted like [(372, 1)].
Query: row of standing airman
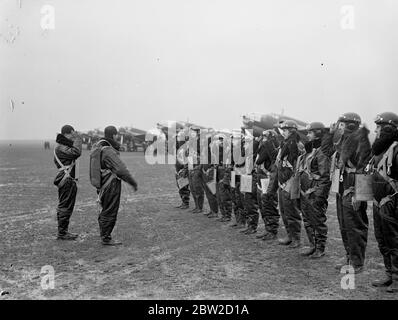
[(293, 177)]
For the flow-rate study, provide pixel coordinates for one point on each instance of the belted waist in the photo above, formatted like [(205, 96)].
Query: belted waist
[(350, 170)]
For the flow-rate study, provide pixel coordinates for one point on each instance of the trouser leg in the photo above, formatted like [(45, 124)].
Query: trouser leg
[(356, 224), (380, 236), (251, 208), (192, 188), (211, 198), (271, 214), (225, 200), (198, 187), (389, 221), (319, 223), (184, 194), (290, 215), (219, 199), (110, 202), (306, 213), (315, 213), (260, 203), (342, 225), (238, 205), (66, 203), (282, 212)]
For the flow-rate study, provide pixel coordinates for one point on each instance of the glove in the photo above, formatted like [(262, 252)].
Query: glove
[(135, 187), (356, 204)]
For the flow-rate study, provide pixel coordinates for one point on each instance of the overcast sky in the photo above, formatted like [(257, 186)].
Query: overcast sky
[(134, 63)]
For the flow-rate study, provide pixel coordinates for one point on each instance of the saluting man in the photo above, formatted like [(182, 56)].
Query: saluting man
[(68, 149)]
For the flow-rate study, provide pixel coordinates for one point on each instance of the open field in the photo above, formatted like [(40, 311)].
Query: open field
[(166, 253)]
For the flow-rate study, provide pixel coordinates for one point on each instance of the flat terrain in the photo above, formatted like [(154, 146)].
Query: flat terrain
[(166, 253)]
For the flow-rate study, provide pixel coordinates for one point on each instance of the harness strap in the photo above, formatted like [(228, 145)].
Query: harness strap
[(390, 155), (103, 172), (369, 166), (385, 164), (106, 184), (333, 165), (67, 169), (300, 164), (286, 163)]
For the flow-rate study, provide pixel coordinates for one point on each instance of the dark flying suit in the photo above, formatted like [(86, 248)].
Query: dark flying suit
[(236, 195), (238, 203), (314, 171), (286, 162), (184, 191), (67, 152), (195, 174), (197, 185), (351, 157), (250, 198), (182, 172), (224, 197), (113, 168), (384, 166), (209, 174), (266, 169)]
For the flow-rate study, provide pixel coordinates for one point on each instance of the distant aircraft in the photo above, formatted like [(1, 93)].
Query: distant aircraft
[(166, 125), (260, 122), (131, 139)]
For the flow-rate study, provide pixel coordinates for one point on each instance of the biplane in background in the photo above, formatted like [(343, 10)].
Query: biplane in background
[(130, 139), (271, 121)]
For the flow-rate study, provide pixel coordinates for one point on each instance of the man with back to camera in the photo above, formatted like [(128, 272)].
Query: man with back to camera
[(112, 171)]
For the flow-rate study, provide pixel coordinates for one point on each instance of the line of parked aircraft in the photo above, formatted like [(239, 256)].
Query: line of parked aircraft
[(134, 139)]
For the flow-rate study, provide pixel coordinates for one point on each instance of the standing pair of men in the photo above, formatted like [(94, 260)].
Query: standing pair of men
[(305, 181), (113, 170), (303, 172), (201, 173), (354, 156)]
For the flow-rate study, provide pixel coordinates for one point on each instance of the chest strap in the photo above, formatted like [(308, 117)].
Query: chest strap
[(67, 169)]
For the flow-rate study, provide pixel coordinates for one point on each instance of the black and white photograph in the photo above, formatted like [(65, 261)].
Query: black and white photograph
[(209, 151)]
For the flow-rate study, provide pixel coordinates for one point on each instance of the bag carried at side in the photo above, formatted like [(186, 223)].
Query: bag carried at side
[(363, 187), (246, 183), (295, 187)]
